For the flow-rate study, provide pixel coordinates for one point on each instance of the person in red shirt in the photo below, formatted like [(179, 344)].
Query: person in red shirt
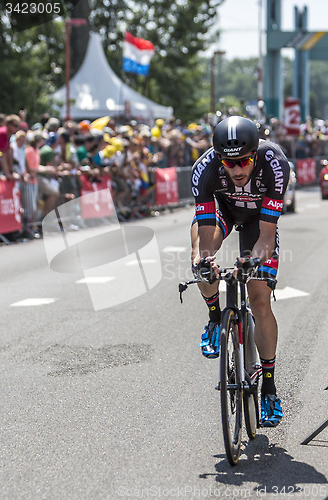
[(6, 159)]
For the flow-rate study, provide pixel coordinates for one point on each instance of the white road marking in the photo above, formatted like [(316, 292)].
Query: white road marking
[(96, 279), (312, 205), (285, 293), (33, 302), (289, 293), (174, 249)]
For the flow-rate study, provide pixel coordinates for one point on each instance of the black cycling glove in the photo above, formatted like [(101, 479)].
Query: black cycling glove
[(203, 271), (248, 268)]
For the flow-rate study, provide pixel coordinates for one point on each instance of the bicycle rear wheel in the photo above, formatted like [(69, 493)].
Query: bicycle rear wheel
[(230, 387), (250, 396)]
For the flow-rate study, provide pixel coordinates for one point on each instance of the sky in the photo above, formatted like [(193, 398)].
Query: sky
[(239, 25)]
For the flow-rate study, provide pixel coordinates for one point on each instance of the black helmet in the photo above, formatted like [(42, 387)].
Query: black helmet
[(235, 136)]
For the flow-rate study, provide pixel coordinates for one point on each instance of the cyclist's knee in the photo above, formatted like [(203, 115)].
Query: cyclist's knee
[(260, 298)]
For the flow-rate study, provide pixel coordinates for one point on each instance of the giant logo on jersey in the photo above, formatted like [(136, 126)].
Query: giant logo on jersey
[(277, 170), (201, 165)]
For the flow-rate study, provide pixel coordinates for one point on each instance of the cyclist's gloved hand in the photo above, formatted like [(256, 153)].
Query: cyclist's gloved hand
[(203, 271), (248, 268)]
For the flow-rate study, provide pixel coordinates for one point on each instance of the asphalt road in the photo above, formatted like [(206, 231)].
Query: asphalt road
[(118, 402)]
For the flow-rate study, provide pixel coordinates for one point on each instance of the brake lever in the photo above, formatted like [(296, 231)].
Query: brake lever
[(184, 285), (182, 288)]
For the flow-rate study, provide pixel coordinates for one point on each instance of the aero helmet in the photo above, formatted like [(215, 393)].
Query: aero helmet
[(235, 137)]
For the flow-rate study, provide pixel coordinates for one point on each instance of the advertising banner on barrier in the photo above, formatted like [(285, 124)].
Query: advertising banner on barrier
[(10, 207), (166, 181), (101, 203), (306, 172)]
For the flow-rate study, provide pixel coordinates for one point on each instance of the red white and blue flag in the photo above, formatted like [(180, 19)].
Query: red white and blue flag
[(137, 54)]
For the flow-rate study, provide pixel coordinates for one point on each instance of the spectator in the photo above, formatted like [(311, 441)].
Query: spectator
[(2, 120), (81, 151), (92, 148), (12, 124), (28, 189), (68, 150), (47, 156), (43, 176), (18, 147), (175, 151), (84, 127), (52, 125)]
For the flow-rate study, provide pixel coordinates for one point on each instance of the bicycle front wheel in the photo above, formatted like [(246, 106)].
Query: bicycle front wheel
[(250, 396), (230, 387)]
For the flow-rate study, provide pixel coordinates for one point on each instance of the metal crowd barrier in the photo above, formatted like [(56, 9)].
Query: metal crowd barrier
[(184, 184), (70, 185)]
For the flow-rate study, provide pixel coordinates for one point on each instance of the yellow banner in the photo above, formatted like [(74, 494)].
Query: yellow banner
[(311, 42)]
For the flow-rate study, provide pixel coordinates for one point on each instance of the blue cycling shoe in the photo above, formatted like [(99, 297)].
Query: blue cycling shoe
[(271, 411), (210, 344)]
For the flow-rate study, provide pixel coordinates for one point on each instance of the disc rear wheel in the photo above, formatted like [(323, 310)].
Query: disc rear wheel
[(250, 395)]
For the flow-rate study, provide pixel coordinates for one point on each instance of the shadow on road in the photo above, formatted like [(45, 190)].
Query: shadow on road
[(268, 465)]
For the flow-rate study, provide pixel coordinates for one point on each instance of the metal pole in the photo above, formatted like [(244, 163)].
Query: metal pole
[(213, 66), (68, 23), (68, 68), (212, 83), (260, 68)]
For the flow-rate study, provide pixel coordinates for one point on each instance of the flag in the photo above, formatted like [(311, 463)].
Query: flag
[(137, 54)]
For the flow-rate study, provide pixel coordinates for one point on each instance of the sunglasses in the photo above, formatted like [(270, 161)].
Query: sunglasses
[(244, 162)]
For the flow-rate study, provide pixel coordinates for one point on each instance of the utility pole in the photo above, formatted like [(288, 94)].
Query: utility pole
[(260, 68), (213, 67), (68, 24)]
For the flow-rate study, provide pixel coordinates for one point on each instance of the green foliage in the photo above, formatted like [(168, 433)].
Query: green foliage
[(237, 78), (33, 60), (235, 83), (319, 88), (32, 64), (178, 30)]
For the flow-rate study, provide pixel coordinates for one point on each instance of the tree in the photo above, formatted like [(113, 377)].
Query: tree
[(178, 30), (319, 90), (32, 64), (33, 61)]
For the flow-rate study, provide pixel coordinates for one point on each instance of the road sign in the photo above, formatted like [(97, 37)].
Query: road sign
[(292, 119)]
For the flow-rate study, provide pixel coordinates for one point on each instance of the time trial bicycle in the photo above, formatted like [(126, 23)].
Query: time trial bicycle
[(240, 369)]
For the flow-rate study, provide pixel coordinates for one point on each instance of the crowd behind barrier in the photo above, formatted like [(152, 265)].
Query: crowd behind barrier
[(145, 167)]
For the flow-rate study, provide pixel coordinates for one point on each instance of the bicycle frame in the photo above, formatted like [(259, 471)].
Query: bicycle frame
[(241, 314), (238, 381)]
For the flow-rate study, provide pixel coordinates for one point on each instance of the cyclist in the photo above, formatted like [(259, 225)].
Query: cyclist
[(241, 182)]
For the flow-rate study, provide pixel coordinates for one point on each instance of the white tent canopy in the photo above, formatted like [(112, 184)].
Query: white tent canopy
[(97, 91)]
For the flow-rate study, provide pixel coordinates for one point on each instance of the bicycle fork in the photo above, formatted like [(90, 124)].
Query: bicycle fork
[(233, 387)]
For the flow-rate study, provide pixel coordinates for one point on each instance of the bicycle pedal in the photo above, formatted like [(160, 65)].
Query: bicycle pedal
[(217, 387)]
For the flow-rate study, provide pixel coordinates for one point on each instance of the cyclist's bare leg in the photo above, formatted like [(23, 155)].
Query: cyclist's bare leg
[(205, 242), (266, 329), (266, 333)]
